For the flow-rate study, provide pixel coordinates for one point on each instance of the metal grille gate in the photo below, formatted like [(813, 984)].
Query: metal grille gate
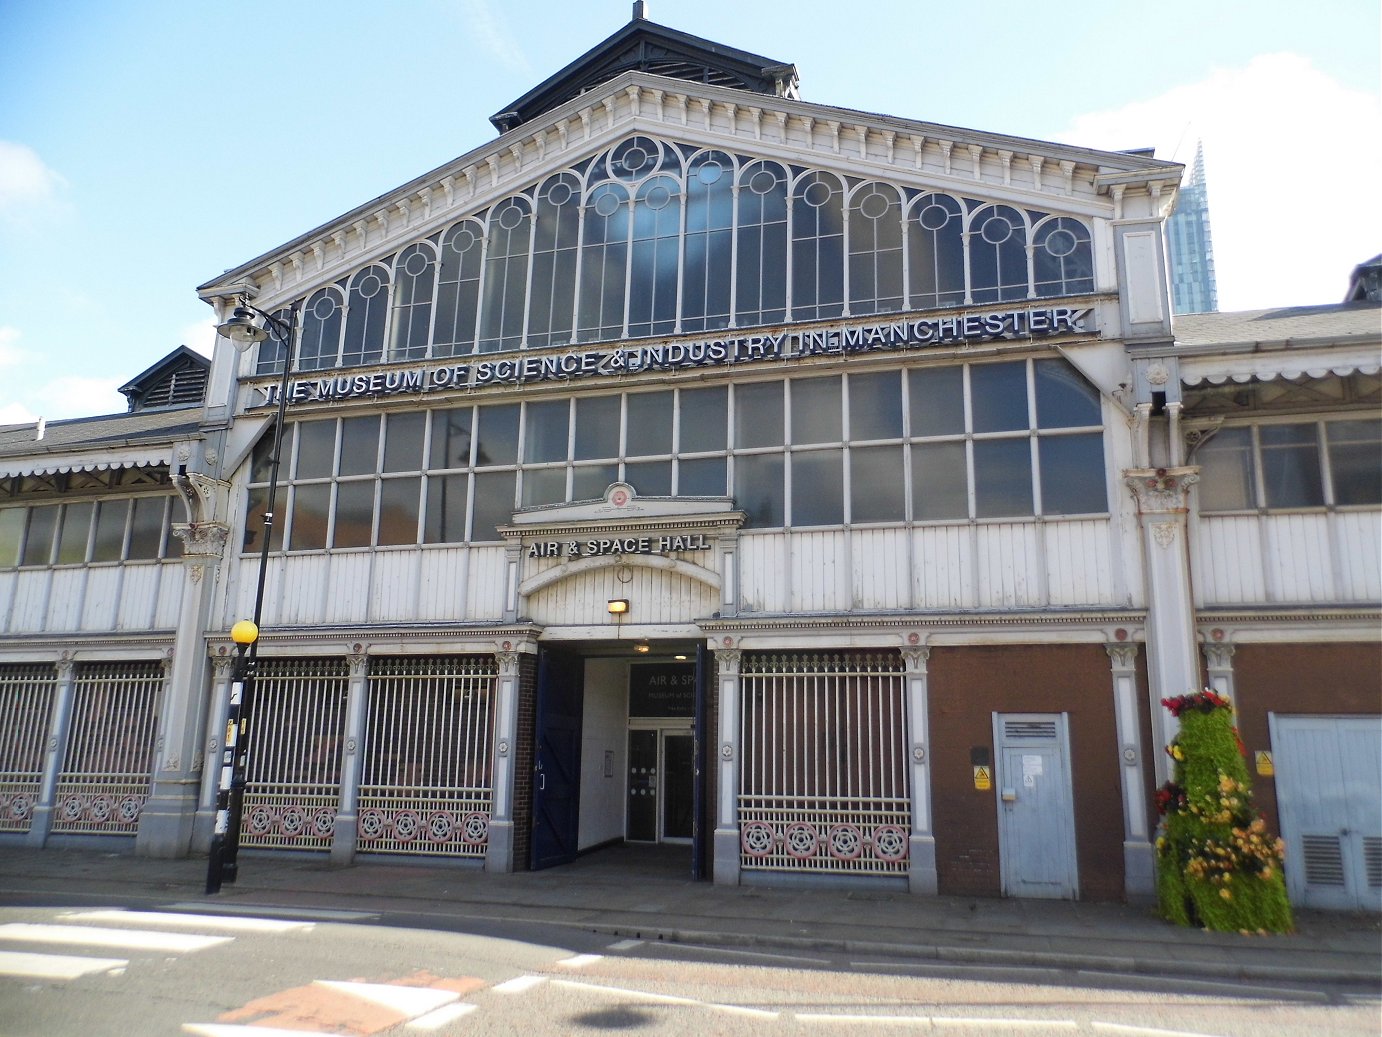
[(293, 779), (103, 782), (26, 705), (426, 783), (824, 778)]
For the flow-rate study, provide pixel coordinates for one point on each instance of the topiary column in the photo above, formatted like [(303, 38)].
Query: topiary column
[(1217, 865)]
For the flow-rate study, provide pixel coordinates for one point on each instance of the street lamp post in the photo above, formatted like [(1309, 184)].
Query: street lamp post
[(244, 329)]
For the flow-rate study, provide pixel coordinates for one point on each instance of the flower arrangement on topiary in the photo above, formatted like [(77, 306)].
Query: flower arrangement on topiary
[(1217, 865)]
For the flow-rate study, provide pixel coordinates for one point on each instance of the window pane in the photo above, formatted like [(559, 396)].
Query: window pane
[(1072, 474), (1355, 460), (758, 488), (701, 477), (998, 397), (597, 427), (1002, 478), (544, 431), (589, 482), (543, 486), (497, 435), (354, 514), (450, 447), (311, 509), (650, 424), (446, 504), (816, 410), (76, 530), (316, 449), (818, 488), (875, 406), (1226, 474), (262, 463), (38, 543), (704, 418), (149, 526), (1064, 398), (359, 446), (254, 522), (758, 414), (1291, 466), (876, 484), (11, 534), (650, 478), (939, 487), (493, 504), (937, 401), (403, 442), (398, 506), (110, 530)]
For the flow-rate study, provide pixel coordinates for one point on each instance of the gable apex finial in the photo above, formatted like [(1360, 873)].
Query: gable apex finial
[(640, 10)]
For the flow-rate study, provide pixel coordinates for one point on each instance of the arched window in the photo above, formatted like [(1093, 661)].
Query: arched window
[(708, 255), (319, 342), (761, 239), (506, 274), (1062, 259), (458, 289), (997, 254), (366, 313), (270, 357), (818, 273), (414, 288), (654, 269), (604, 262), (936, 252), (556, 240), (875, 249)]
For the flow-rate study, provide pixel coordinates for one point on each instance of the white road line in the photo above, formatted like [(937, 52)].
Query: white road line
[(580, 961), (957, 1022), (436, 1020), (625, 945), (1144, 1031), (666, 999), (407, 1001), (321, 914), (518, 984), (230, 923), (93, 936), (54, 966), (854, 1020)]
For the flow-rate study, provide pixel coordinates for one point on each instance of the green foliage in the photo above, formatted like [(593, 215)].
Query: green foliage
[(1217, 865)]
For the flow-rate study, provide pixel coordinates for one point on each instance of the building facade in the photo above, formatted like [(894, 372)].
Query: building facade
[(1190, 245), (827, 494)]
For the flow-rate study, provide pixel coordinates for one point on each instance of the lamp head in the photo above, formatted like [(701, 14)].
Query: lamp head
[(618, 606), (243, 328), (244, 633)]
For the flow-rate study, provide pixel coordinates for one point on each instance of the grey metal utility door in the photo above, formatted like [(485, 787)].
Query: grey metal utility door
[(1036, 816), (1328, 771)]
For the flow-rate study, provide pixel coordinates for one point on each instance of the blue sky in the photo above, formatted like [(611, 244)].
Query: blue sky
[(147, 145)]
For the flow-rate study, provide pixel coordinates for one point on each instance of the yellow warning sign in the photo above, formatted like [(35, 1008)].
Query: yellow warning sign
[(1264, 763), (983, 781)]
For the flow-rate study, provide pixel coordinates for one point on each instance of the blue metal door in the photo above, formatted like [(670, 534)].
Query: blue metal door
[(557, 760), (704, 674)]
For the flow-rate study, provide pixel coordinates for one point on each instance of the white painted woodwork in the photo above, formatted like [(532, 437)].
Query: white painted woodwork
[(137, 598), (656, 596)]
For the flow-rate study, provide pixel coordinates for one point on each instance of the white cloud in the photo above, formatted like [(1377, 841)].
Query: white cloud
[(25, 181), (71, 396), (16, 414), (1291, 157), (493, 37), (10, 353), (199, 337)]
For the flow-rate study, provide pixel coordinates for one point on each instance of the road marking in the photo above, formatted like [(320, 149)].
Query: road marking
[(666, 999), (1145, 1031), (93, 936), (882, 1020), (518, 984), (407, 1001), (323, 914), (580, 961), (625, 945), (436, 1020), (54, 966), (169, 918), (993, 1024)]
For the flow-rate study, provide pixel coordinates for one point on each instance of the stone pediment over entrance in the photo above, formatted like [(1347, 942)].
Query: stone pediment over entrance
[(622, 504)]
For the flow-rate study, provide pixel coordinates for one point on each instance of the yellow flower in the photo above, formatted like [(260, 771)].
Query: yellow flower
[(1227, 894), (1267, 872)]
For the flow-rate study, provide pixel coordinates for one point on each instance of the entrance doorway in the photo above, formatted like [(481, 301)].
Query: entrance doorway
[(660, 786)]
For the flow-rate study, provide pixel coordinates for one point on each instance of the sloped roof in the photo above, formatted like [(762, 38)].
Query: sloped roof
[(179, 379), (90, 444), (645, 46), (1336, 321)]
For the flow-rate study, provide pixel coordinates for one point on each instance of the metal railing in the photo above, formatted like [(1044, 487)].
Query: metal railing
[(26, 705)]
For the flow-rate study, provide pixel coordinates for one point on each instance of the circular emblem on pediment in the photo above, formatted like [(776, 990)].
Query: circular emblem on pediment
[(619, 498)]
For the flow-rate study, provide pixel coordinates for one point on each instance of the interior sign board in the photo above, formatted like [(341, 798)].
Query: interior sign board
[(662, 690)]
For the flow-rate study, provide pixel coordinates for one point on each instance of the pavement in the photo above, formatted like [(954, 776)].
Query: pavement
[(645, 893)]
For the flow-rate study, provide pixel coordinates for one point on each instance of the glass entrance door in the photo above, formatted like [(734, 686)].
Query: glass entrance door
[(660, 801), (677, 774)]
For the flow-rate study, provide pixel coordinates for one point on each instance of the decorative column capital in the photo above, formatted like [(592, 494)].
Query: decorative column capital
[(223, 666), (915, 657), (1161, 491), (66, 667), (507, 662), (727, 661), (202, 542), (1122, 654), (358, 662), (1218, 655)]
